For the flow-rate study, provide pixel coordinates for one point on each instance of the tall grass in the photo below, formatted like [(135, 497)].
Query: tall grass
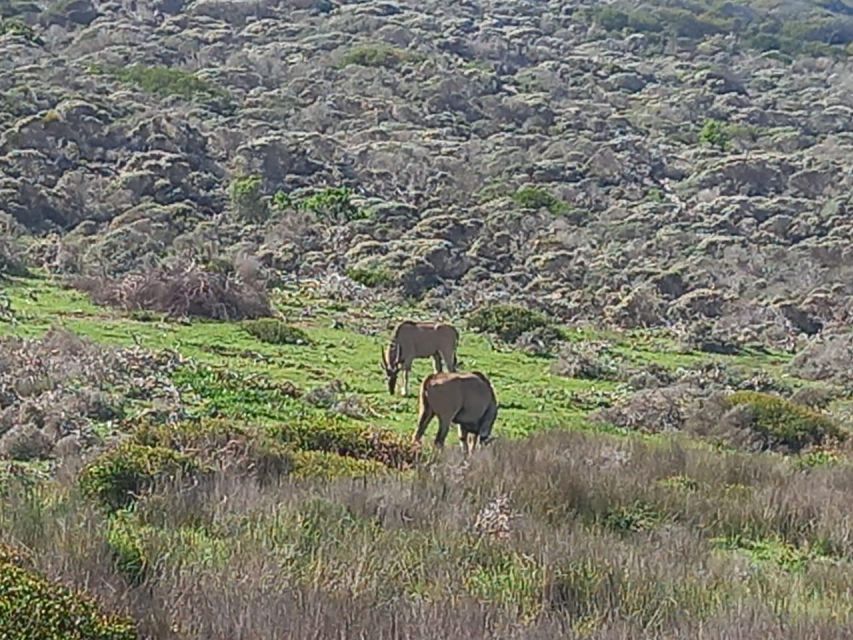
[(561, 535)]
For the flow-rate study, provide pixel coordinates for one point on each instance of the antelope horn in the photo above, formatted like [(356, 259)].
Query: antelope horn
[(384, 359)]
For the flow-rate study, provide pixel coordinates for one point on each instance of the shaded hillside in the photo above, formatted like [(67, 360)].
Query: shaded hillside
[(678, 164)]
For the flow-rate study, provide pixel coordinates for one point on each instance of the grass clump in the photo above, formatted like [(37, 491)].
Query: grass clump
[(540, 198), (780, 422), (329, 466), (508, 322), (33, 608), (273, 331), (118, 476)]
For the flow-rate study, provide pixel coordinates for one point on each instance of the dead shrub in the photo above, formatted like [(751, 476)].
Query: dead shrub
[(181, 290)]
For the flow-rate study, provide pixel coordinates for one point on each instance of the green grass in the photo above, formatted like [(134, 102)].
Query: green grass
[(237, 374)]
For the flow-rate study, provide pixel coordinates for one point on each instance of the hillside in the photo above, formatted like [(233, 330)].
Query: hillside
[(638, 215), (638, 165)]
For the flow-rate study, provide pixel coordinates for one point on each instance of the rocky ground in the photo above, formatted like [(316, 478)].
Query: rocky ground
[(641, 166)]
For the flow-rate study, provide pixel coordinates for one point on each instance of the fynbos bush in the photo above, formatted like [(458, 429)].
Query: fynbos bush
[(508, 322), (275, 331)]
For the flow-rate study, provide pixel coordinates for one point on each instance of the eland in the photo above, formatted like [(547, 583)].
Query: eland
[(466, 399), (413, 340)]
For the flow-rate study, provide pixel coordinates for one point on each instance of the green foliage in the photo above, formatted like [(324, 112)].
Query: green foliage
[(329, 466), (680, 482), (812, 32), (373, 278), (33, 608), (274, 331), (377, 55), (782, 422), (116, 477), (222, 443), (222, 391), (506, 577), (331, 205), (714, 133), (775, 550), (125, 538), (638, 516), (245, 194), (507, 321), (539, 198), (334, 435), (169, 82), (17, 28)]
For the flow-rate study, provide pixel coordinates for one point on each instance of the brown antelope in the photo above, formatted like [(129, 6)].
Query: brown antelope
[(418, 340), (466, 399)]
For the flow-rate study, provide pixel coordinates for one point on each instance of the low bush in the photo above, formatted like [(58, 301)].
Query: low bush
[(373, 278), (222, 444), (539, 198), (328, 466), (33, 608), (782, 423), (275, 331), (341, 437), (168, 82), (182, 290), (117, 476), (507, 322)]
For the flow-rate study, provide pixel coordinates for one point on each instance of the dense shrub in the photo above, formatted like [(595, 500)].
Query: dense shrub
[(539, 198), (33, 608), (506, 321), (275, 331), (329, 205), (372, 278), (328, 466), (714, 134), (117, 476), (182, 290), (223, 444), (780, 422)]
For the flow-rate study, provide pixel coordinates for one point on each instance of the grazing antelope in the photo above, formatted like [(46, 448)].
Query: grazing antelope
[(418, 340), (466, 399)]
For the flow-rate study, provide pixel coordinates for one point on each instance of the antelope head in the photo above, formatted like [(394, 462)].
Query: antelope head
[(391, 362)]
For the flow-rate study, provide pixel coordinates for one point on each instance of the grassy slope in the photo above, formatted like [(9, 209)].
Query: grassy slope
[(531, 397), (721, 506)]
